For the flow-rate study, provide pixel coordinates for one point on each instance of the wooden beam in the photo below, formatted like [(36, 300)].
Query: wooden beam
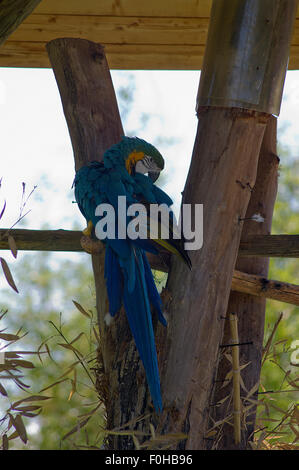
[(70, 240), (42, 240), (119, 56), (277, 246), (132, 30), (12, 13), (262, 287), (272, 246), (174, 8), (136, 35)]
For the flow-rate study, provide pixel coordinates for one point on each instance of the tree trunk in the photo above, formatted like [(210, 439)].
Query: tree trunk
[(249, 309), (91, 112), (240, 86), (221, 177)]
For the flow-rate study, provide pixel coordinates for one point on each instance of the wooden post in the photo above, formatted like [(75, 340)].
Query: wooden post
[(250, 310), (12, 13), (222, 176), (91, 112)]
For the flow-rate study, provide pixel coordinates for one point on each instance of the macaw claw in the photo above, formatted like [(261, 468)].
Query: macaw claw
[(88, 230)]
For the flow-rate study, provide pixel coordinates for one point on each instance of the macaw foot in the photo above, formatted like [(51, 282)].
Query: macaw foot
[(87, 231)]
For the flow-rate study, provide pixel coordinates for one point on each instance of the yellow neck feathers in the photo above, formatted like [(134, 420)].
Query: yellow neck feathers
[(132, 160)]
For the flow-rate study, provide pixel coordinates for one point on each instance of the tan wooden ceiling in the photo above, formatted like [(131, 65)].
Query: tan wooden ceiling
[(137, 34)]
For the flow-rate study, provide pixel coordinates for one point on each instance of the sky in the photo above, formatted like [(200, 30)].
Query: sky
[(36, 149), (35, 144)]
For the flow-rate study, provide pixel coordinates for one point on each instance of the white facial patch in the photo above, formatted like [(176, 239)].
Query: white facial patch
[(140, 167)]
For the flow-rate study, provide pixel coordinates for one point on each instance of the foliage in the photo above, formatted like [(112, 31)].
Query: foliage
[(279, 376), (65, 346)]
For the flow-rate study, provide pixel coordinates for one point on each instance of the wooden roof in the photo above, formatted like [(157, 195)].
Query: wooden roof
[(137, 34)]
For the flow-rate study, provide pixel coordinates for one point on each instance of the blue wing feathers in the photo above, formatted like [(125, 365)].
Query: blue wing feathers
[(139, 316), (114, 281), (128, 276)]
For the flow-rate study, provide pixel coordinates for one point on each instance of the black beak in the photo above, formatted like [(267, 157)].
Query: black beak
[(154, 175)]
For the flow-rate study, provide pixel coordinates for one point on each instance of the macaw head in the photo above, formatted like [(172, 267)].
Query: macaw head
[(138, 155)]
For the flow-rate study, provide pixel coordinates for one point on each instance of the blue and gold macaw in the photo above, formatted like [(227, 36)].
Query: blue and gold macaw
[(129, 279)]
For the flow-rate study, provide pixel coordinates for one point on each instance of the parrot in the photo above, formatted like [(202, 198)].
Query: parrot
[(130, 168)]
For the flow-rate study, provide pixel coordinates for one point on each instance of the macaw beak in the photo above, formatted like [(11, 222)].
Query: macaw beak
[(154, 175)]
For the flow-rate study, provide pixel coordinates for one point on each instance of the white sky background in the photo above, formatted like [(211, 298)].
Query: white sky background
[(35, 145)]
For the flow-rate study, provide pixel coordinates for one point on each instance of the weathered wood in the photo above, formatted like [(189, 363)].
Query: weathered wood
[(42, 240), (273, 246), (263, 287), (115, 29), (120, 29), (250, 310), (12, 13), (179, 8), (227, 144), (92, 115), (221, 175), (72, 240), (136, 35), (119, 56), (269, 24), (123, 57), (87, 94)]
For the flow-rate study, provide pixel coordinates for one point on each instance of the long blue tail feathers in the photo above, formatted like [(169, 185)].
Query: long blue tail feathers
[(137, 294)]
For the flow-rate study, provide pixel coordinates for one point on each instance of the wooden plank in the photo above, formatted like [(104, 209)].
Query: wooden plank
[(123, 57), (176, 8), (183, 8), (114, 29), (119, 30), (262, 287)]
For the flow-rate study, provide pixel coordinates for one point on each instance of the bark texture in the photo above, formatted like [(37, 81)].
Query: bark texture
[(273, 246), (12, 13), (249, 309), (221, 177), (92, 115)]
